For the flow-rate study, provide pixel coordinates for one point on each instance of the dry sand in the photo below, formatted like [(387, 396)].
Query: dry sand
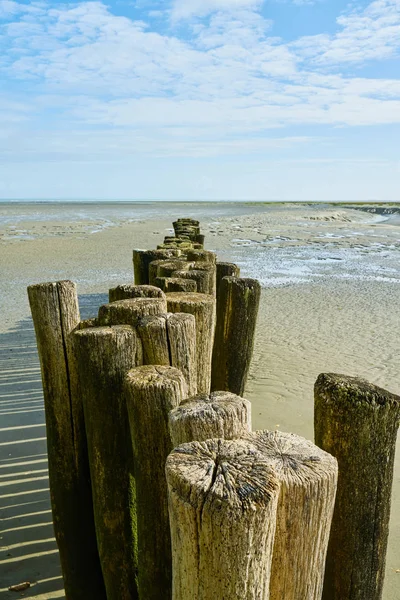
[(343, 325)]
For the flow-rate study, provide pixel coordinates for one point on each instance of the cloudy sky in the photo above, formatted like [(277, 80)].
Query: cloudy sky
[(200, 99)]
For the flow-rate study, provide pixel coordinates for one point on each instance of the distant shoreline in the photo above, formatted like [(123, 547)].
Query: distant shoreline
[(341, 203)]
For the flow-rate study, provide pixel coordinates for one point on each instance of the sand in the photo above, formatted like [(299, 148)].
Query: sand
[(308, 324)]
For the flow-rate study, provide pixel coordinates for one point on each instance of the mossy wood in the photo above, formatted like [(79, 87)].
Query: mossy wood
[(175, 284), (357, 423), (151, 392), (153, 267), (206, 416), (201, 255), (55, 315), (142, 259), (105, 355), (237, 312), (202, 307), (127, 291), (308, 477), (223, 498), (128, 312)]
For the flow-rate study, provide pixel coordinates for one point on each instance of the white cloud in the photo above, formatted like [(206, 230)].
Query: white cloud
[(222, 91), (372, 33), (186, 9)]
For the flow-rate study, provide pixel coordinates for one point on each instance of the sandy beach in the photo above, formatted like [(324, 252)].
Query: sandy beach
[(330, 303)]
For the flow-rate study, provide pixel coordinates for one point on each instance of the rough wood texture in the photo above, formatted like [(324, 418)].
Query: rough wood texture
[(124, 292), (55, 314), (234, 335), (357, 423), (202, 307), (181, 329), (210, 268), (153, 266), (201, 255), (175, 284), (151, 392), (223, 498), (166, 268), (170, 339), (128, 312), (202, 279), (308, 478), (225, 269), (142, 259), (216, 415), (153, 333), (105, 355)]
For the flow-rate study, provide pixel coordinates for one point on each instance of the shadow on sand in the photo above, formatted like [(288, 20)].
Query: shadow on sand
[(28, 551)]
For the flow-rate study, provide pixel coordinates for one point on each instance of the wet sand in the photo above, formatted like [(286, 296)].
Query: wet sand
[(308, 323)]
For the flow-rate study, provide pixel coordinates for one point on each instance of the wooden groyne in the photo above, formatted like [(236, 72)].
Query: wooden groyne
[(160, 489)]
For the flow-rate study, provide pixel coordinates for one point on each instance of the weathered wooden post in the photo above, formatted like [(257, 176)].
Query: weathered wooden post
[(357, 423), (210, 268), (142, 259), (216, 415), (201, 278), (308, 479), (55, 315), (104, 356), (202, 307), (127, 291), (151, 392), (234, 334), (129, 311), (170, 339), (225, 269), (166, 268), (201, 255), (222, 498), (175, 284)]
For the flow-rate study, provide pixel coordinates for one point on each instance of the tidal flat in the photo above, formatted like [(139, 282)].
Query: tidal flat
[(330, 303)]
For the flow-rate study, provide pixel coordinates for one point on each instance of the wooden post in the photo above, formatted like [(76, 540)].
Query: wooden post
[(202, 307), (55, 314), (222, 498), (308, 478), (105, 355), (201, 255), (175, 284), (210, 268), (127, 291), (166, 268), (142, 259), (207, 416), (181, 329), (225, 269), (171, 340), (357, 422), (153, 333), (129, 311), (200, 239), (234, 334), (151, 392), (153, 267), (202, 279)]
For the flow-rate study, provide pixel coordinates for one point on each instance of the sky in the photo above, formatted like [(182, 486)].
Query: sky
[(200, 100)]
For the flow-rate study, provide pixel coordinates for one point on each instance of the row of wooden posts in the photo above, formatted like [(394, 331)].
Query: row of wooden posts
[(159, 487)]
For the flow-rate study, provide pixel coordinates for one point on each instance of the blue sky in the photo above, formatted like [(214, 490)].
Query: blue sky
[(200, 99)]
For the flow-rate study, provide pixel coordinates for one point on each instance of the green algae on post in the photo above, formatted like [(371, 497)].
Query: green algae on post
[(357, 423)]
